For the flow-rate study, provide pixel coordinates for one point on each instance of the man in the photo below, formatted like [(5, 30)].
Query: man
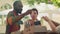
[(54, 25), (13, 18)]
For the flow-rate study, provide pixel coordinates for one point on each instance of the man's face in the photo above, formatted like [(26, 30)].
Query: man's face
[(19, 7), (33, 14)]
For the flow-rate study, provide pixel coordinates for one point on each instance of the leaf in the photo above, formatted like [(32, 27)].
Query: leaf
[(30, 2)]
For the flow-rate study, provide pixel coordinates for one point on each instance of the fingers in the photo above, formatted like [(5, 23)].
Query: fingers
[(28, 12), (45, 18)]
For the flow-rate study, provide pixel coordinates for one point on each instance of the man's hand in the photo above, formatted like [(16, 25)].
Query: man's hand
[(46, 18), (28, 12)]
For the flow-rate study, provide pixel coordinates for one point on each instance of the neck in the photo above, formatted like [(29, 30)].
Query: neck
[(15, 12)]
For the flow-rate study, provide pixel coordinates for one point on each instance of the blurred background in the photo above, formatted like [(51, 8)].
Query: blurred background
[(50, 8)]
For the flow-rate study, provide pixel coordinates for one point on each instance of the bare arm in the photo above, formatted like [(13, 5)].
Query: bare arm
[(12, 19), (52, 25), (55, 23)]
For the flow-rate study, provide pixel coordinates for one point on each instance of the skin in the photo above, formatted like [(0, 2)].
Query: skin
[(18, 6), (10, 17), (52, 23), (34, 15), (18, 17)]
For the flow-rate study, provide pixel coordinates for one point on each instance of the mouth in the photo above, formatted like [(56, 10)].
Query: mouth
[(33, 16)]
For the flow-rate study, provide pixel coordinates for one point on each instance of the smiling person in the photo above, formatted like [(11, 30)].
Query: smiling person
[(14, 18)]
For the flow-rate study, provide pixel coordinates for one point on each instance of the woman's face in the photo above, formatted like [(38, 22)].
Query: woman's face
[(33, 15)]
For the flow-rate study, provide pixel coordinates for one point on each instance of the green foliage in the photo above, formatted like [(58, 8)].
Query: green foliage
[(0, 16), (30, 2), (6, 6), (26, 17), (44, 1), (56, 2), (38, 1)]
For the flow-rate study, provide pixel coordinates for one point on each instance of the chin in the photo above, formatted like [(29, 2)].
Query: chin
[(33, 18)]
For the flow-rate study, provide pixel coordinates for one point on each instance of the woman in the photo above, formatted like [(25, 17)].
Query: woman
[(29, 25)]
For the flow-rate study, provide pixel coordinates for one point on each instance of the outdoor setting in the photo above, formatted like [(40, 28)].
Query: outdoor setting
[(47, 13)]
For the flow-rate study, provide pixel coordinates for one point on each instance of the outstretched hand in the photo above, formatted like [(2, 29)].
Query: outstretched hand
[(28, 12), (46, 18)]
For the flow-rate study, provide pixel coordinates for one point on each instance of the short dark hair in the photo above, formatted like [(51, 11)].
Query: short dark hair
[(34, 9)]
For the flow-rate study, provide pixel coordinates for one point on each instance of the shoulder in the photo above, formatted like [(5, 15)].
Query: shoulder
[(10, 14)]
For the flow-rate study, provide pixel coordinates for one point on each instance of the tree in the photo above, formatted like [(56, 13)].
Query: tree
[(6, 6), (55, 2)]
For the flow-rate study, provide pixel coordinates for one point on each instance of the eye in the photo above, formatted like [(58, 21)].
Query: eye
[(34, 12)]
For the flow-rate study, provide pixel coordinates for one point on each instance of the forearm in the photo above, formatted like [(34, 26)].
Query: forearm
[(19, 17), (55, 23), (52, 26), (14, 19)]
